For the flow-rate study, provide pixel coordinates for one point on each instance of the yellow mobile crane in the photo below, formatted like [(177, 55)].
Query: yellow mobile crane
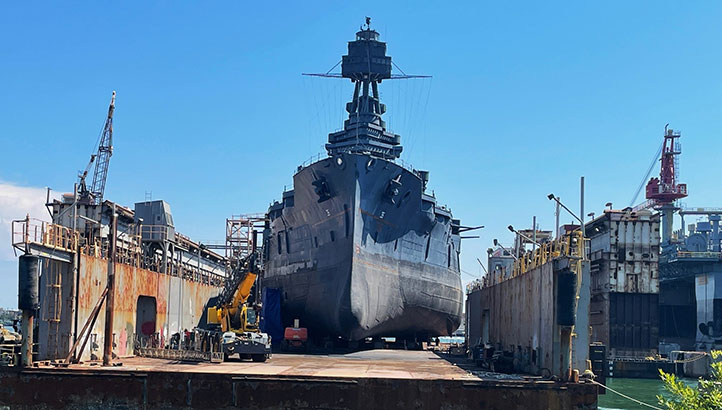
[(238, 323)]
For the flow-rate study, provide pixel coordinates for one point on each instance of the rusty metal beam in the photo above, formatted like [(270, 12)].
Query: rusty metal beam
[(110, 305), (88, 323)]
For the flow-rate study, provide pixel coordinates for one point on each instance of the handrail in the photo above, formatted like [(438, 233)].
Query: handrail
[(36, 231), (315, 158), (569, 245), (155, 232), (309, 161), (706, 255), (128, 252)]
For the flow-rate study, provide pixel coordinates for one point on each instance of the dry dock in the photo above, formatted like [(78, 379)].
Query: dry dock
[(377, 379)]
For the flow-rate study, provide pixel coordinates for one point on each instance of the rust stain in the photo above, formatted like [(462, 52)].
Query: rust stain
[(130, 283), (378, 219)]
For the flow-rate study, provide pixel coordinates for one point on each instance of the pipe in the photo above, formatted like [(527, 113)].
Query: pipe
[(581, 205), (533, 226), (75, 281), (89, 323), (110, 304), (28, 302), (556, 222), (27, 333)]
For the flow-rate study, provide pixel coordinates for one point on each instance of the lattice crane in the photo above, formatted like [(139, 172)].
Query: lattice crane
[(101, 159), (662, 192)]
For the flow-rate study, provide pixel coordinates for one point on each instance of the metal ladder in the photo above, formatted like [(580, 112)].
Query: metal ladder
[(53, 304)]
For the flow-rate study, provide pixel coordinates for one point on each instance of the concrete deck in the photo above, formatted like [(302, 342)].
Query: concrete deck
[(377, 379), (393, 364)]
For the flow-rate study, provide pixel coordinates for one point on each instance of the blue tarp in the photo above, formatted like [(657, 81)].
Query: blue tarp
[(271, 315)]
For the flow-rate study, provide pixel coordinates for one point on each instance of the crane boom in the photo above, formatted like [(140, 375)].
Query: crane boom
[(230, 310), (94, 194), (238, 286)]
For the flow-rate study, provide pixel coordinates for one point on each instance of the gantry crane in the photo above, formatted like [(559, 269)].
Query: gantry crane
[(101, 159)]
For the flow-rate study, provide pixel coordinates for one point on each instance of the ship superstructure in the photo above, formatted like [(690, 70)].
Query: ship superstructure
[(358, 247)]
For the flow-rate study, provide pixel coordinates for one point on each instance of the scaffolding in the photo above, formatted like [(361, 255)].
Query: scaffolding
[(242, 235)]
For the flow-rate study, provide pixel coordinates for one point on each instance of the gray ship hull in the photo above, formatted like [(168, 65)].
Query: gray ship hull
[(359, 250)]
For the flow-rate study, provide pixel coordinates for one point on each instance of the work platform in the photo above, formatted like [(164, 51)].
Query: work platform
[(376, 379)]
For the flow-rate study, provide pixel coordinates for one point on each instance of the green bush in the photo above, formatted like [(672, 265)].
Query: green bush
[(707, 395)]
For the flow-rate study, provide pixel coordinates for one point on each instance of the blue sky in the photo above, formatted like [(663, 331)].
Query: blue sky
[(213, 115)]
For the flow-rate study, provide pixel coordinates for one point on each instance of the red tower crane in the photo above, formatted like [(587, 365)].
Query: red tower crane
[(662, 192), (665, 189)]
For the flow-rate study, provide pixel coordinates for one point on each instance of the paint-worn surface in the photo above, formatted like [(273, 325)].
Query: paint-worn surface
[(399, 364), (178, 303), (624, 254), (365, 380), (519, 316), (624, 250)]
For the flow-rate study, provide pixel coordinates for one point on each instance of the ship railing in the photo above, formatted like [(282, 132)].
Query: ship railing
[(194, 273), (476, 284), (699, 255), (570, 245), (315, 158), (130, 252), (257, 217), (309, 161), (36, 231), (406, 165)]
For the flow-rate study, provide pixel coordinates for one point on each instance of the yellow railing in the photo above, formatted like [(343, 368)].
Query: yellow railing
[(569, 245), (31, 230), (128, 249)]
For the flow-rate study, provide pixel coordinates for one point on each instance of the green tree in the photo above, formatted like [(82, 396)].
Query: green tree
[(707, 395)]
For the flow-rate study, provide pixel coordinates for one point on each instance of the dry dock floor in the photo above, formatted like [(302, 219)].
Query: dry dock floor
[(373, 379), (392, 364)]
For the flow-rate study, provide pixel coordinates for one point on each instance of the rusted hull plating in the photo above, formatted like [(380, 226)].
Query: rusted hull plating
[(149, 304)]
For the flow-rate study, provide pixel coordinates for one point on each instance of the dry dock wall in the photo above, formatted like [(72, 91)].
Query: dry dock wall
[(521, 319), (164, 390), (146, 302), (624, 255), (519, 316)]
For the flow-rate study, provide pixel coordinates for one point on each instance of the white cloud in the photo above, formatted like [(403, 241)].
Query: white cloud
[(16, 202)]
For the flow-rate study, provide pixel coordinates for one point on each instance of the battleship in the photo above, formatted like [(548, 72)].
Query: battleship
[(358, 248)]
